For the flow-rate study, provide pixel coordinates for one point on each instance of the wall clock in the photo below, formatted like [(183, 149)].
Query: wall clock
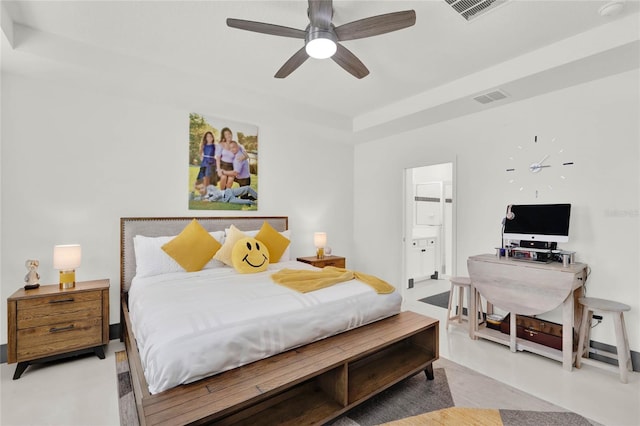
[(538, 165)]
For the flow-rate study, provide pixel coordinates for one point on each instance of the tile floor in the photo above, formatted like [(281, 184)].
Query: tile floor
[(78, 391), (83, 391)]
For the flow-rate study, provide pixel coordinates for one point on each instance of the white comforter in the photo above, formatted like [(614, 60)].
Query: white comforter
[(193, 325)]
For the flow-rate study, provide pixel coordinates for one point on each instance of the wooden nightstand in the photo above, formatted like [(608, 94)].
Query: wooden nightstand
[(47, 323), (337, 261)]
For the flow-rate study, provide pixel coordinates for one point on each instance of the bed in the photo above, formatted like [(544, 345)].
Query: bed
[(218, 346)]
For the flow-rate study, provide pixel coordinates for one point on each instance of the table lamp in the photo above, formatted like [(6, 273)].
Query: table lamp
[(66, 258), (320, 241)]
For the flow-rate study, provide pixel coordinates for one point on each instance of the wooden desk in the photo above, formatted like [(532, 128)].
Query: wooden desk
[(529, 288)]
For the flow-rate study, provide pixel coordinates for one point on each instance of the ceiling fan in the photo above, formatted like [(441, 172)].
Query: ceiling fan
[(321, 36)]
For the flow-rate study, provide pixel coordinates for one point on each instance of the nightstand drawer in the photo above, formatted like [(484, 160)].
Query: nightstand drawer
[(61, 337), (56, 309), (338, 263), (59, 299)]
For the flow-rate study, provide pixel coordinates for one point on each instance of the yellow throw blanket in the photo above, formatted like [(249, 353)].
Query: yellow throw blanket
[(304, 280)]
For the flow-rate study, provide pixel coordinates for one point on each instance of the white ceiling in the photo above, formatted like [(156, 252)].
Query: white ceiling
[(183, 51)]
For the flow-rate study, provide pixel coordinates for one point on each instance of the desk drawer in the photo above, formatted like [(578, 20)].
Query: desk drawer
[(57, 338), (57, 309)]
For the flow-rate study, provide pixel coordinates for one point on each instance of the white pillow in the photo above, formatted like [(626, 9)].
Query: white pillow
[(213, 263), (152, 260), (286, 256)]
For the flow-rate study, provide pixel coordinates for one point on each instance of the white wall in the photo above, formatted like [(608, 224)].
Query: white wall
[(596, 122), (73, 162)]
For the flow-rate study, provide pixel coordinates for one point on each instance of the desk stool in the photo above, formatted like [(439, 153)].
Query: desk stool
[(590, 305), (462, 285)]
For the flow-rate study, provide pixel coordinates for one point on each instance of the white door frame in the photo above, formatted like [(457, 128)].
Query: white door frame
[(407, 224)]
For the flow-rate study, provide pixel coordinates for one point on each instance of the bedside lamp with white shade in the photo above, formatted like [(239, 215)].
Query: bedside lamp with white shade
[(320, 241), (66, 258)]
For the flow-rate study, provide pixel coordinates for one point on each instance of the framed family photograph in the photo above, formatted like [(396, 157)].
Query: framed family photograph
[(223, 164)]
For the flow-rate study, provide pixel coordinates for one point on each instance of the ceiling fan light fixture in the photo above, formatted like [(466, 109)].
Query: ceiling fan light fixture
[(321, 36), (321, 44)]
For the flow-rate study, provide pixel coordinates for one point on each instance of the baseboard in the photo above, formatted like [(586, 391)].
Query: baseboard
[(114, 333), (635, 356)]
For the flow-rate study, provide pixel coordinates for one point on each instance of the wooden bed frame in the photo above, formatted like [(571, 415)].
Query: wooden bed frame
[(311, 384)]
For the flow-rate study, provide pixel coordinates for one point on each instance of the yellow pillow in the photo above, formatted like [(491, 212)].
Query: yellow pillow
[(250, 256), (193, 247), (276, 243), (224, 254)]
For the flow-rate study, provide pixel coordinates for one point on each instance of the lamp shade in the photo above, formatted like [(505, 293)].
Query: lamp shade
[(320, 239), (67, 257)]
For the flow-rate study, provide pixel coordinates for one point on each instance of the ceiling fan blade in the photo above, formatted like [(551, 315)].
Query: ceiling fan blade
[(292, 64), (376, 25), (320, 13), (350, 62), (264, 28)]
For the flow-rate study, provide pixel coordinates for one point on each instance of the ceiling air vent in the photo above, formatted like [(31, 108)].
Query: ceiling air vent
[(472, 9), (486, 98)]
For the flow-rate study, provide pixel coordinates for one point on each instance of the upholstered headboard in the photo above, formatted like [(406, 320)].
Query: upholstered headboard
[(167, 226)]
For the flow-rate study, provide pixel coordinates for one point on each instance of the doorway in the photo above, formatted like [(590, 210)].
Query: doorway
[(428, 230)]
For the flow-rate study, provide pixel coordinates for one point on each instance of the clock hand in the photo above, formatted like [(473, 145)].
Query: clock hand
[(535, 167)]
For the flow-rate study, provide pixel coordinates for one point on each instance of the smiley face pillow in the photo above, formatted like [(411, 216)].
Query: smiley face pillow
[(249, 256)]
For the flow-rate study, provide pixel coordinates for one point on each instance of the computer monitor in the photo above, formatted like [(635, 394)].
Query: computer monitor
[(538, 222)]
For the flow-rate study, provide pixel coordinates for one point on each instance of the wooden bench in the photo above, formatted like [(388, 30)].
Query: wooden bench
[(308, 385)]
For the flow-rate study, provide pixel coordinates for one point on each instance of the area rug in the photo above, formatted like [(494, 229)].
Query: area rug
[(440, 300), (126, 399), (457, 395)]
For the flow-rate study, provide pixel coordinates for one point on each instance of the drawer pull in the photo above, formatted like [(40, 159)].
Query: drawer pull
[(62, 300), (58, 329)]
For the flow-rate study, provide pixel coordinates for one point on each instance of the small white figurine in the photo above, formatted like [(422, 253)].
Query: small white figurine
[(32, 278)]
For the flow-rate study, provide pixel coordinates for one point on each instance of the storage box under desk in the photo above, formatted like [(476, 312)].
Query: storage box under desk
[(536, 330)]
